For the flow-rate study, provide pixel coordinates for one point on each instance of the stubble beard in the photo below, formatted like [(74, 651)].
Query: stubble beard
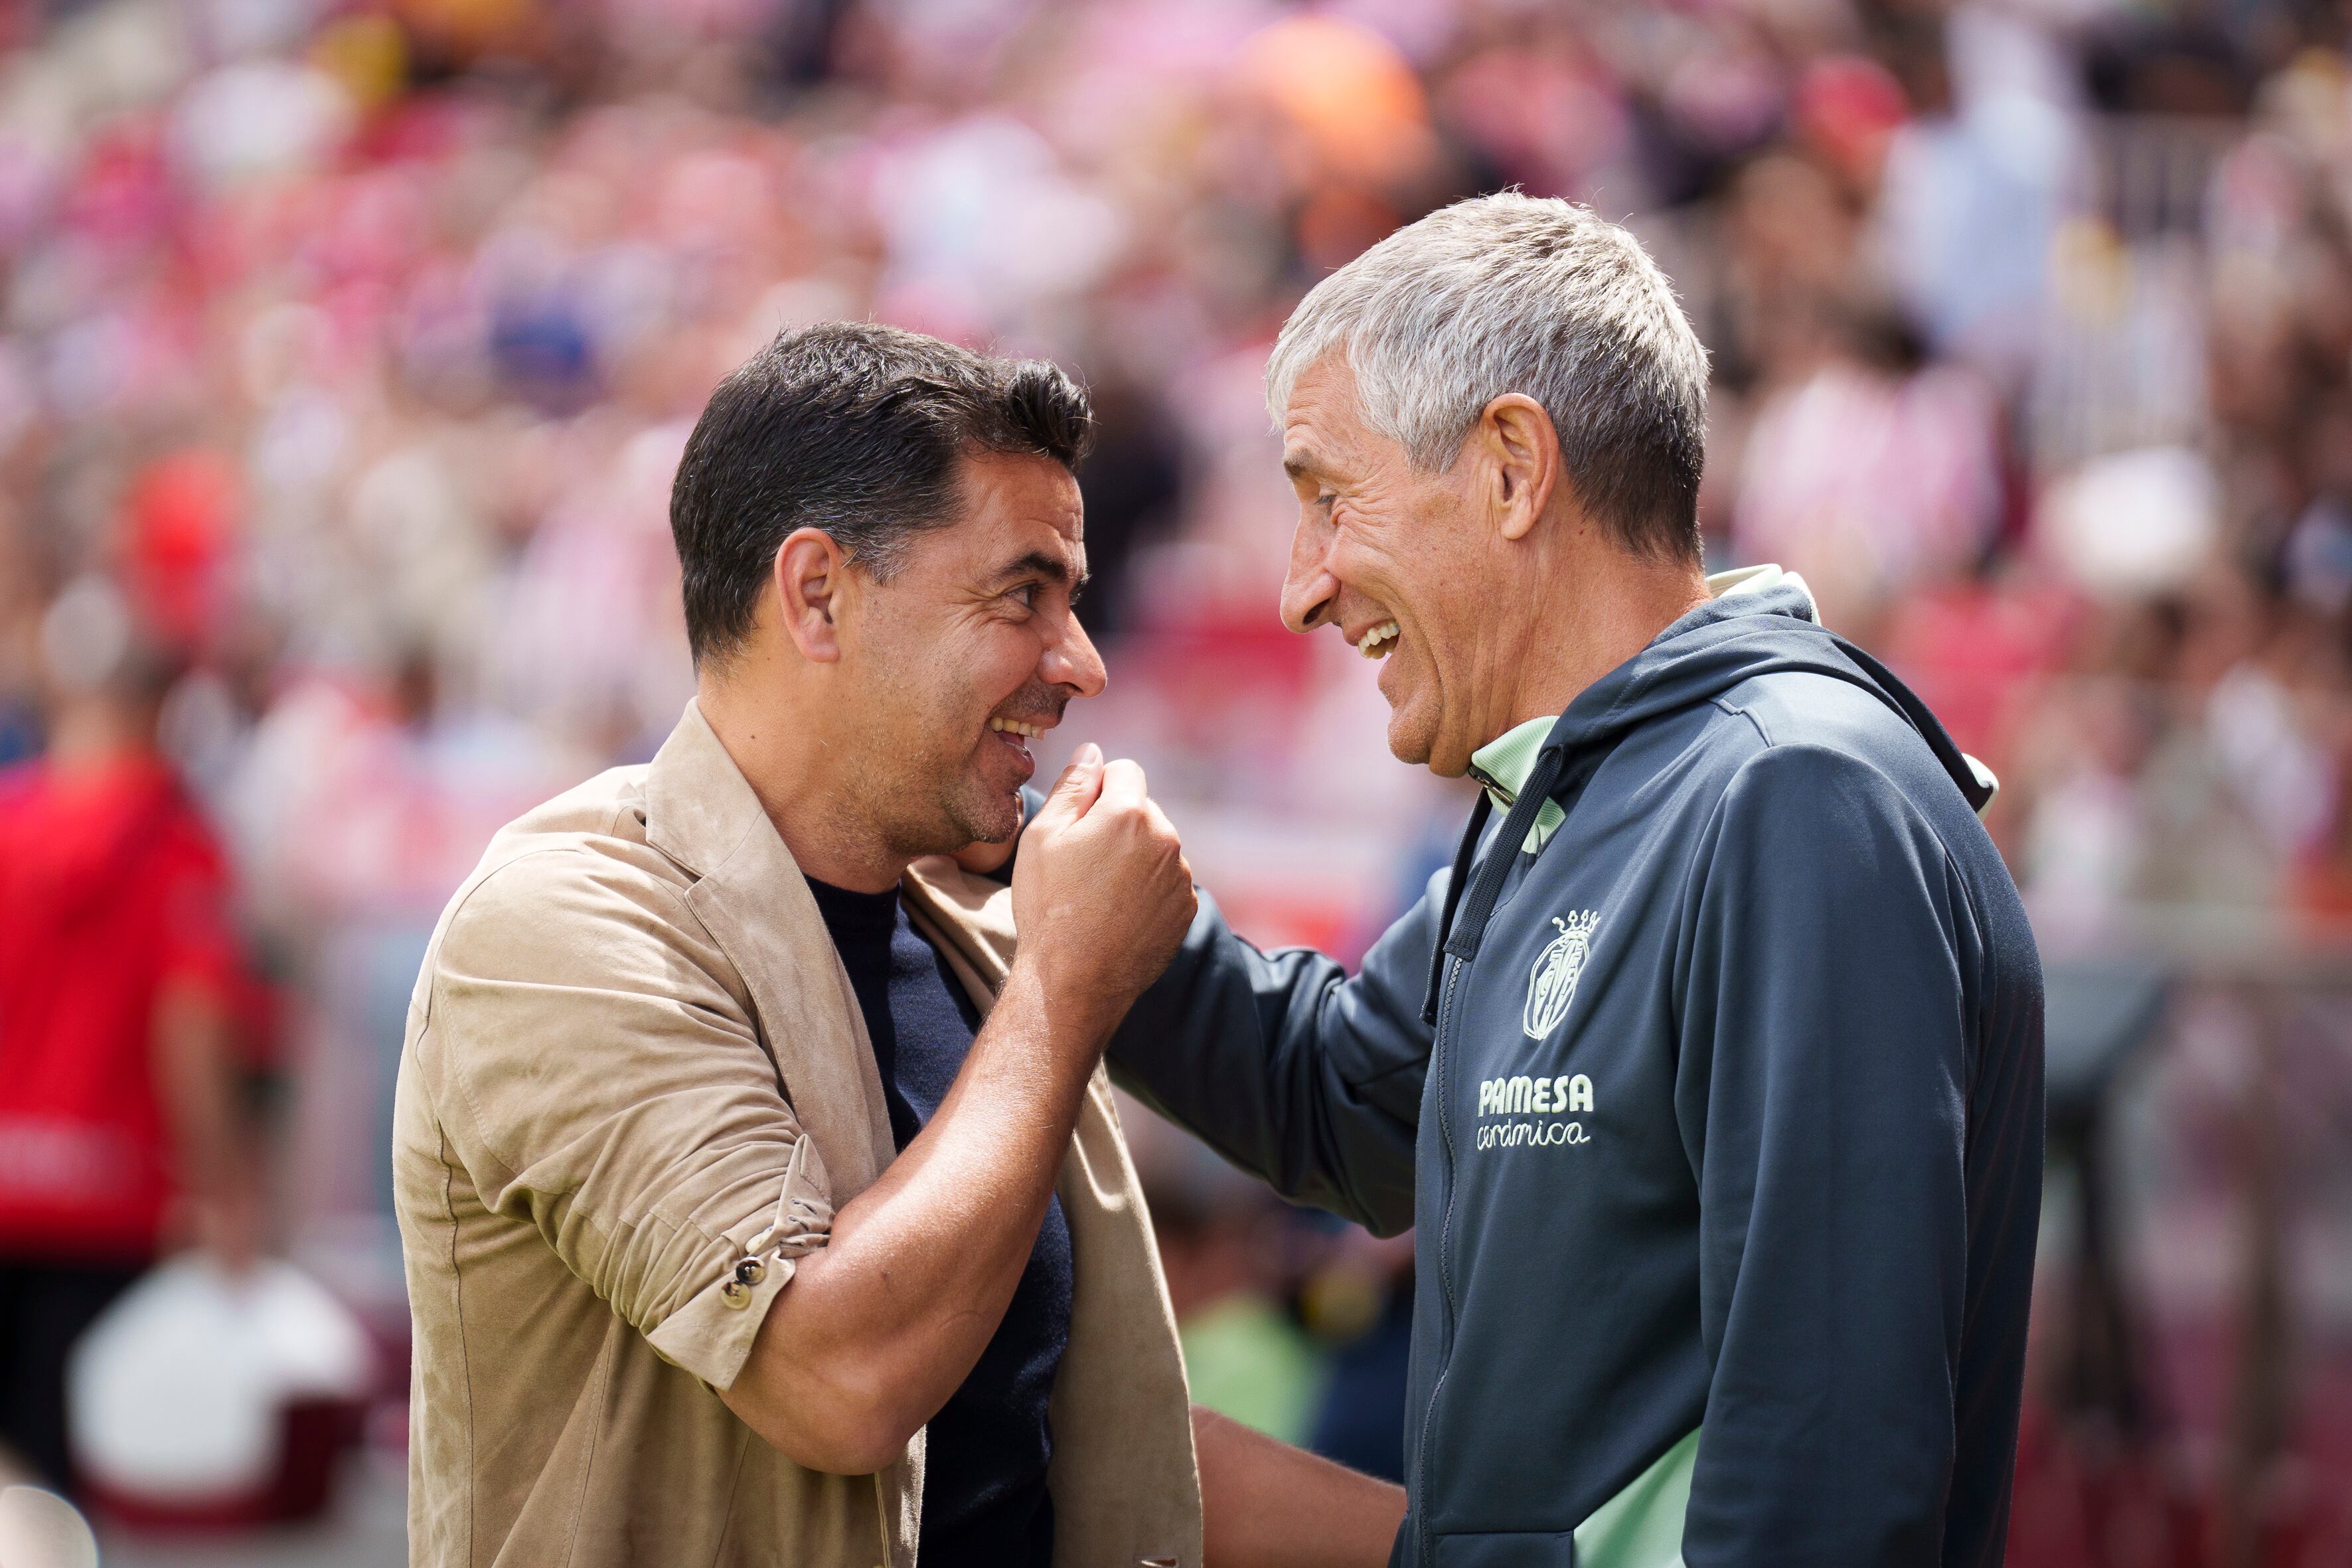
[(924, 813), (936, 806), (981, 816)]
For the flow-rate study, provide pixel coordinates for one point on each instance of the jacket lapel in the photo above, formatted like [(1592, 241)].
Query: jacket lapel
[(974, 915), (701, 813)]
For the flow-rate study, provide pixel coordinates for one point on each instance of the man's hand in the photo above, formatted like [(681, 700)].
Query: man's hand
[(982, 858), (1268, 1505), (1102, 895)]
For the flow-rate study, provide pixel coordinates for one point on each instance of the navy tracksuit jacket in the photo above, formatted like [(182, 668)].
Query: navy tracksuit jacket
[(1718, 1119)]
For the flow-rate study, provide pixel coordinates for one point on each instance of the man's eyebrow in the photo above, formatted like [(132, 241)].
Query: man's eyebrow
[(1302, 463), (1037, 563)]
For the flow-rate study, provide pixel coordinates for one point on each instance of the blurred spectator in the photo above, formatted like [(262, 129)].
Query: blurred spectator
[(122, 1125), (1245, 1357), (1229, 1278), (1884, 471), (1360, 1302)]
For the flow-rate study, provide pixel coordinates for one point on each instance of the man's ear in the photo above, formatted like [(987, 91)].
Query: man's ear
[(1522, 449), (812, 579)]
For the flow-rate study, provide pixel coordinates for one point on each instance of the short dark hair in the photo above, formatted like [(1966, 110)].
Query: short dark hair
[(857, 429)]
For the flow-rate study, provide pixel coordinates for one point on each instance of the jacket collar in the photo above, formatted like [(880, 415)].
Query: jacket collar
[(699, 808), (701, 813)]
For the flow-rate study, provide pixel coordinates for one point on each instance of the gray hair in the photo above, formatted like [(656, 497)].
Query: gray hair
[(1515, 293)]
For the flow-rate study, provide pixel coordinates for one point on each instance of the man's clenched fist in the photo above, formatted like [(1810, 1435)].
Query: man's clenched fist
[(1101, 893)]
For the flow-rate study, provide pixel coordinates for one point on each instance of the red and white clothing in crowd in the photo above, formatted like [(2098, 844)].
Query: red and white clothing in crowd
[(112, 890)]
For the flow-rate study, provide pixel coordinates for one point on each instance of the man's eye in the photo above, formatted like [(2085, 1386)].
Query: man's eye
[(1027, 594), (1326, 501)]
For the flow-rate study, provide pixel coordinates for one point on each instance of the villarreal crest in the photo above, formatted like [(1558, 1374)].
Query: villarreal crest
[(1551, 984)]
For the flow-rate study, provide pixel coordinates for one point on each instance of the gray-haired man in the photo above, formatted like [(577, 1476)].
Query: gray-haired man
[(1711, 1075)]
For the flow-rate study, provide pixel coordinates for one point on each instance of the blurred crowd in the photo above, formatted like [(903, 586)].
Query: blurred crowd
[(347, 348)]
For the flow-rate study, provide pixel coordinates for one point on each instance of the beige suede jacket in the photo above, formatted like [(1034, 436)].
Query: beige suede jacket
[(636, 1086)]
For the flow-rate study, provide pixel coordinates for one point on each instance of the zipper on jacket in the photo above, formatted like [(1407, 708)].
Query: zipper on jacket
[(1465, 861), (1461, 945)]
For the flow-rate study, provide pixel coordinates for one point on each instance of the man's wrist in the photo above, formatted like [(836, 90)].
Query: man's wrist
[(1070, 1024)]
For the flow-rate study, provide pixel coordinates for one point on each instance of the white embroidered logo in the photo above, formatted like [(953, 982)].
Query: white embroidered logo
[(1551, 984), (1570, 1094)]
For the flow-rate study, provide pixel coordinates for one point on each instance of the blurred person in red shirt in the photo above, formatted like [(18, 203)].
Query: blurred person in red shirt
[(120, 1122)]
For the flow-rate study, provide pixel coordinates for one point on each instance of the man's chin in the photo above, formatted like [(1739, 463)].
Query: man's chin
[(987, 816), (1412, 739)]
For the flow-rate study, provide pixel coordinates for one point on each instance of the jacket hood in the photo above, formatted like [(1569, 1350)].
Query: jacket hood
[(1760, 622), (1764, 625)]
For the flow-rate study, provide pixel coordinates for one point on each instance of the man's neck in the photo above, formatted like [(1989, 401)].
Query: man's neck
[(93, 736), (795, 774), (1620, 605)]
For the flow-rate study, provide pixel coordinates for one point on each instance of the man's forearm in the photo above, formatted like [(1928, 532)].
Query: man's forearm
[(1305, 1079), (197, 1078), (880, 1326), (1265, 1504)]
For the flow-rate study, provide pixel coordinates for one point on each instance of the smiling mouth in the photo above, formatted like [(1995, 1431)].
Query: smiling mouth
[(1015, 735), (1379, 642)]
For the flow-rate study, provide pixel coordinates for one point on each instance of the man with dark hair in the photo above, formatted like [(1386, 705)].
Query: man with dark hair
[(858, 431), (1710, 1077), (763, 1199)]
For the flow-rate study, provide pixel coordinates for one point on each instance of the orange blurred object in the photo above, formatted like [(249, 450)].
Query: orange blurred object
[(1347, 89), (367, 54), (467, 28)]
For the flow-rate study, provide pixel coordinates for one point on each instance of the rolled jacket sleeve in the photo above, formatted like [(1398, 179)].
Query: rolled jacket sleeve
[(599, 1078)]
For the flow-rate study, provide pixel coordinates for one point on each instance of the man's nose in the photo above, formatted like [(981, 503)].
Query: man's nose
[(1308, 587), (1071, 660)]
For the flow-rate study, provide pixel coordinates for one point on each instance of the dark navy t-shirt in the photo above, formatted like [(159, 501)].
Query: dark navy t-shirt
[(984, 1498)]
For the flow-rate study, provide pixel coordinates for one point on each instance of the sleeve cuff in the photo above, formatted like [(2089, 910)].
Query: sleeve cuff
[(711, 1334)]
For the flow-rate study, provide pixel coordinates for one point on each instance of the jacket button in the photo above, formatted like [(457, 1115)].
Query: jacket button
[(735, 1294), (750, 1271)]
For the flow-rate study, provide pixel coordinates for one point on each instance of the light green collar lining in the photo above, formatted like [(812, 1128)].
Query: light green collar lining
[(1503, 765)]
